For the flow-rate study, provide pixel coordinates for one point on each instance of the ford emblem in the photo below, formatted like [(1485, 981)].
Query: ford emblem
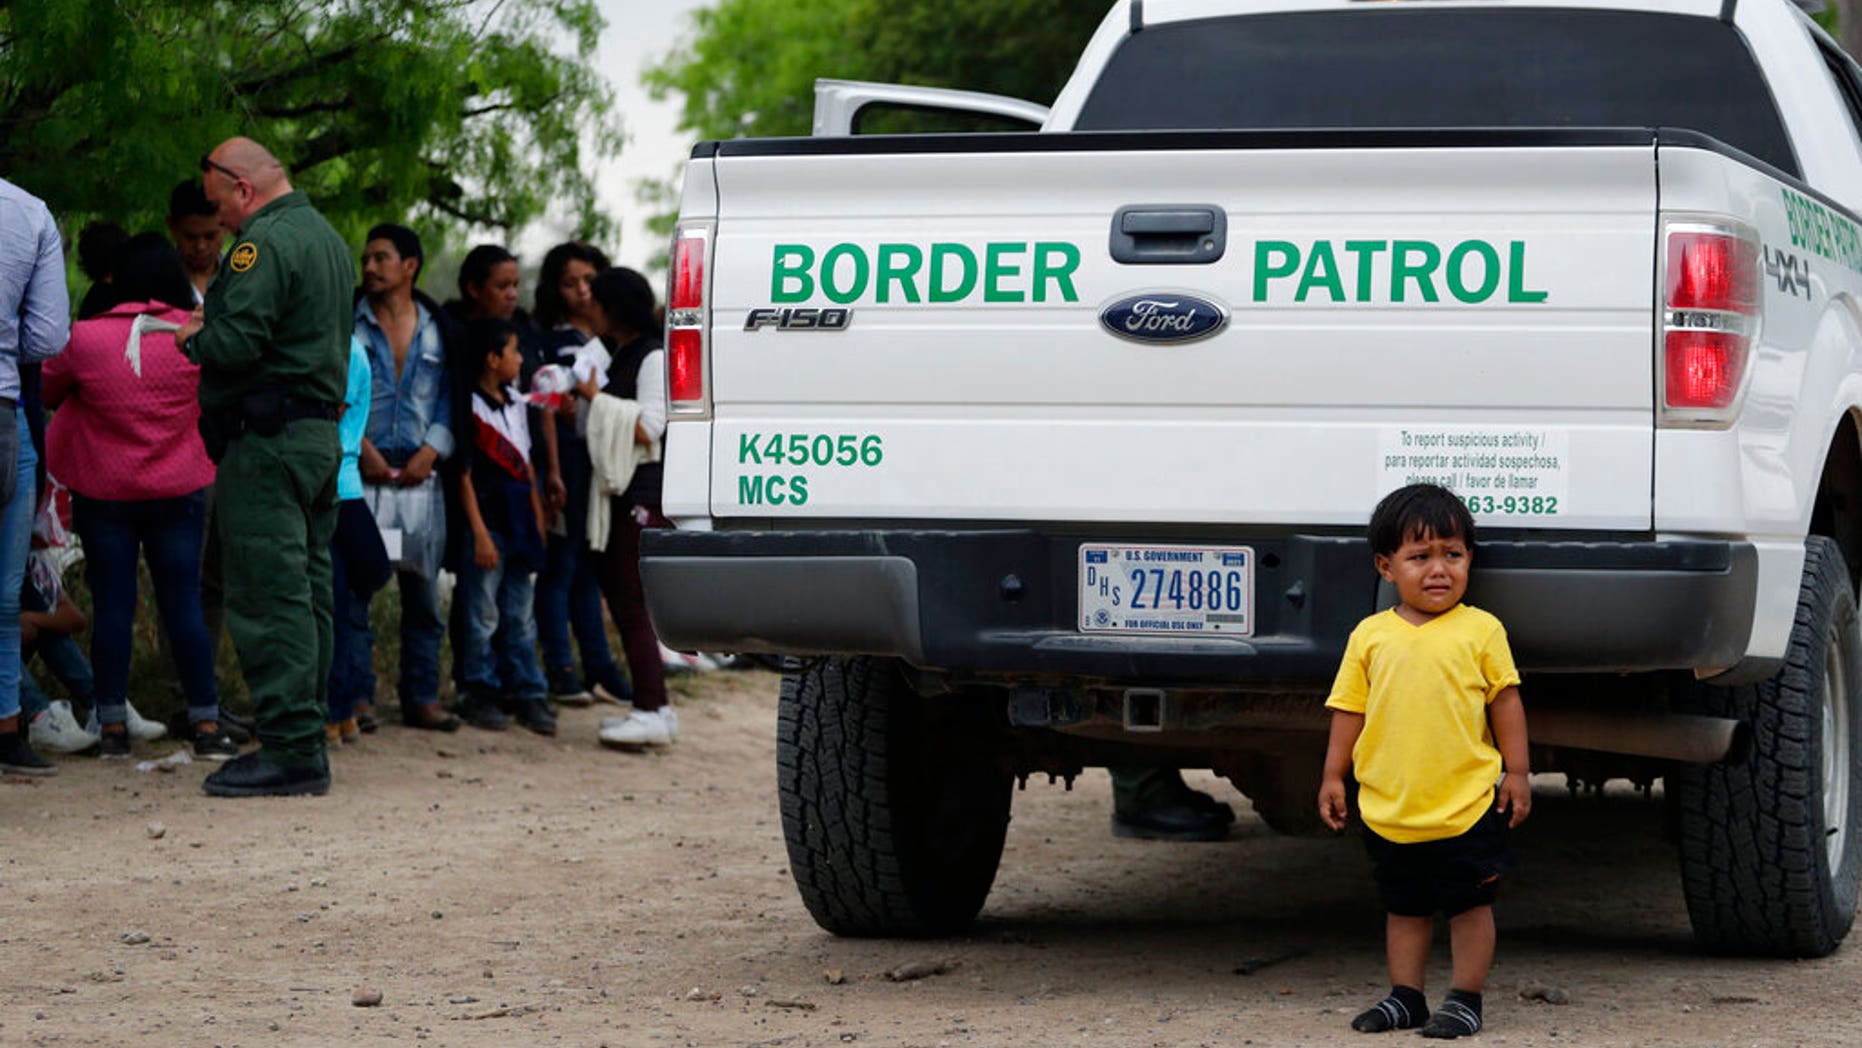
[(1163, 317)]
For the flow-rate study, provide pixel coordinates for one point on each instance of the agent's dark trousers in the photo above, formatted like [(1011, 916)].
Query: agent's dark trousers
[(277, 513)]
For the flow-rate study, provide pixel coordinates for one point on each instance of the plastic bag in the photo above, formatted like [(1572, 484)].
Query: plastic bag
[(412, 522), (51, 525)]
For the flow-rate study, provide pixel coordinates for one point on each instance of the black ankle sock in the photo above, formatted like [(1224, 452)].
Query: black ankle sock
[(1405, 1008), (1459, 1015)]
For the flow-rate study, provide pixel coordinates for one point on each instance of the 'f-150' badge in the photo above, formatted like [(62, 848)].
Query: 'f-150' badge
[(1163, 317)]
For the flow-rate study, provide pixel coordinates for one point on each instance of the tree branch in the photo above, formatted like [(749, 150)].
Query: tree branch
[(31, 107), (485, 24), (315, 64), (500, 106), (467, 216), (327, 146), (337, 105)]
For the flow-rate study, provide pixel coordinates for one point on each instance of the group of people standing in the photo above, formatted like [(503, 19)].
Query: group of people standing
[(517, 488), (327, 437)]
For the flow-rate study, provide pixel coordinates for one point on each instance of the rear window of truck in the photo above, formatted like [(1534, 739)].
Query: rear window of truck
[(1528, 67)]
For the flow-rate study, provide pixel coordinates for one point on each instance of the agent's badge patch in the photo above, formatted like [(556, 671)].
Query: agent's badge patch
[(245, 255)]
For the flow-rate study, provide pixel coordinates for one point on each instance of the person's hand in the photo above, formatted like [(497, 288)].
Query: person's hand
[(555, 494), (1332, 803), (419, 466), (373, 467), (586, 389), (195, 321), (1515, 797), (484, 551), (28, 631)]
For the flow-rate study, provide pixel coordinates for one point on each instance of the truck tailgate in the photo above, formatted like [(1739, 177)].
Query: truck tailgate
[(939, 336)]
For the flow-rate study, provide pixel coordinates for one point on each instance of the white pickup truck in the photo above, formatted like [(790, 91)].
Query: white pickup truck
[(1051, 450)]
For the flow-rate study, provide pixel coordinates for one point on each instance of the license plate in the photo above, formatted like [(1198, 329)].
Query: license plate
[(1166, 589)]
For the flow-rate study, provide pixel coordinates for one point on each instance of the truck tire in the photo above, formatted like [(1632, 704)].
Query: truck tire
[(891, 829), (1770, 855)]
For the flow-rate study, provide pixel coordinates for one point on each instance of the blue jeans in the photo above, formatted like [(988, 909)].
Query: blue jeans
[(421, 632), (61, 654), (352, 651), (500, 655), (569, 598), (15, 543), (169, 534)]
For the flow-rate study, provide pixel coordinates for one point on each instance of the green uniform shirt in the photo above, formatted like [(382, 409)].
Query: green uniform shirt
[(278, 311)]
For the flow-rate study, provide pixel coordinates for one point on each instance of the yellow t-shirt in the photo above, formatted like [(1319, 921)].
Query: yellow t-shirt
[(1426, 763)]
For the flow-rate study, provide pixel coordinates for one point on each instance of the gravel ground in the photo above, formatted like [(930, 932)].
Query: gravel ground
[(504, 889)]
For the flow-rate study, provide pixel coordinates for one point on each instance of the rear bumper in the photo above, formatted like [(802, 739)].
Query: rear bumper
[(1003, 603)]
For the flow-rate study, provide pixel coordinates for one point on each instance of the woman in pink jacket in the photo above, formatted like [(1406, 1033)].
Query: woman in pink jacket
[(124, 439)]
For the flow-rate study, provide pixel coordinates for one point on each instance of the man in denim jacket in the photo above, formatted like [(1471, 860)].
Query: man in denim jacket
[(410, 432)]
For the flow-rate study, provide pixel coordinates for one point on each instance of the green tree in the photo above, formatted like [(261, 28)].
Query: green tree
[(457, 113), (749, 66)]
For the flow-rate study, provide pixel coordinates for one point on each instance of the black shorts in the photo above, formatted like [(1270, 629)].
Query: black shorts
[(1448, 876)]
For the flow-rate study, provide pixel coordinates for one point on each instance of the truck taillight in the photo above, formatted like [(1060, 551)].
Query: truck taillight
[(687, 322), (1710, 317), (1703, 368), (685, 366)]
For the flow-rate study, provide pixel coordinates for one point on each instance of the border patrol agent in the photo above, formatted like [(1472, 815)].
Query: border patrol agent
[(272, 342)]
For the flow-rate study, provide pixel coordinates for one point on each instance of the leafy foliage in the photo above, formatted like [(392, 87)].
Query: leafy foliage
[(463, 112), (750, 65)]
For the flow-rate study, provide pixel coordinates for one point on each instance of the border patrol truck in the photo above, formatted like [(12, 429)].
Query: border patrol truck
[(1053, 449)]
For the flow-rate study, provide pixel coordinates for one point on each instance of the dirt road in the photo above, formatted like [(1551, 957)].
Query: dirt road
[(508, 889)]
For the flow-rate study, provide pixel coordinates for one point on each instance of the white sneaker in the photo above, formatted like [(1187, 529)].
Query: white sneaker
[(640, 728), (56, 730), (667, 714), (686, 662), (141, 729)]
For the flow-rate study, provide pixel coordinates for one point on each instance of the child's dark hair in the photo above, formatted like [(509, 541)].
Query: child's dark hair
[(486, 337), (1415, 511)]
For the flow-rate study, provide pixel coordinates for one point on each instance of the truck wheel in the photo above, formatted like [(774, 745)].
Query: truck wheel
[(891, 829), (1770, 858)]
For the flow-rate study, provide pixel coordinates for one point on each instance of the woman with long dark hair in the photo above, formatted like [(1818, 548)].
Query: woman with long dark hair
[(624, 315), (568, 598), (124, 439)]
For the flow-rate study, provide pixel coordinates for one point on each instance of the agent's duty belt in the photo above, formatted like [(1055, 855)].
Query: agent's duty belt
[(323, 409), (265, 413)]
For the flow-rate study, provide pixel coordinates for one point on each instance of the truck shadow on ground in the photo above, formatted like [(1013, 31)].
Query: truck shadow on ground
[(1595, 875)]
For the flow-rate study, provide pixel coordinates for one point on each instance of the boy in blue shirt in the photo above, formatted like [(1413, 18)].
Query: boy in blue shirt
[(1438, 788)]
